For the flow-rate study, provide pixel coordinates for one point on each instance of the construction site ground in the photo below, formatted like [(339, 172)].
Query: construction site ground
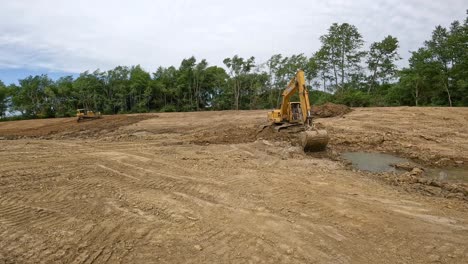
[(210, 187)]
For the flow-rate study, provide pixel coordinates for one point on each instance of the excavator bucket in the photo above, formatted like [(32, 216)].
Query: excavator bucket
[(314, 140)]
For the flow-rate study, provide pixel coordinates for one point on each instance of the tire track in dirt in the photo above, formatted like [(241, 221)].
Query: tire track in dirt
[(26, 241), (144, 160), (175, 185), (128, 189), (15, 214), (63, 190), (151, 176), (95, 245), (97, 241)]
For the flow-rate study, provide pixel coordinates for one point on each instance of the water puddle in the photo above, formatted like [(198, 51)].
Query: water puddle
[(448, 174), (381, 162), (373, 162)]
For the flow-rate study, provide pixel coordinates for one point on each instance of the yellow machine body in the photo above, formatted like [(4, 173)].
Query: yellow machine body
[(86, 114), (293, 114), (298, 113)]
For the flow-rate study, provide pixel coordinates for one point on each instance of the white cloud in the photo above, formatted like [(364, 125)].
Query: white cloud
[(79, 35)]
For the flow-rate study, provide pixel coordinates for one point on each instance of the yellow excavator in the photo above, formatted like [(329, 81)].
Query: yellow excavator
[(298, 114), (86, 114)]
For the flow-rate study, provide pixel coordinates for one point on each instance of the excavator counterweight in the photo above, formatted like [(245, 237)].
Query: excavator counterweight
[(299, 114)]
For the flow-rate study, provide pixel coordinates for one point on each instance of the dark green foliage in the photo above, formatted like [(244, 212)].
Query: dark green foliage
[(3, 99), (354, 98)]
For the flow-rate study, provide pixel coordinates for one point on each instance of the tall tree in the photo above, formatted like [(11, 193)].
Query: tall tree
[(66, 102), (199, 84), (30, 98), (442, 54), (341, 47), (457, 42), (324, 69), (420, 76), (140, 89), (185, 82), (238, 69), (273, 65), (88, 89), (381, 61)]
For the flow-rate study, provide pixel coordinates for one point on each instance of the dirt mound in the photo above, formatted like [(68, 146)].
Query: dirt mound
[(68, 127), (235, 134), (330, 110), (226, 134), (290, 135)]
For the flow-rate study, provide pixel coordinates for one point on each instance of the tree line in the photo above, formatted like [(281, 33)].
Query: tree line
[(341, 71)]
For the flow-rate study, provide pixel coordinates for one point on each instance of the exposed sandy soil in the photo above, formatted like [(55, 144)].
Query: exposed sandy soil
[(208, 188)]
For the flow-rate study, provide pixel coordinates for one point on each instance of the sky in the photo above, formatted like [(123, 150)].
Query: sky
[(58, 37)]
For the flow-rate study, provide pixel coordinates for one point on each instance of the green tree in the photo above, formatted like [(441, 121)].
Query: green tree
[(438, 72), (341, 49), (420, 76), (65, 101), (186, 83), (457, 42), (238, 69), (324, 69), (140, 89), (274, 84), (116, 90), (442, 54), (381, 61), (217, 96), (87, 89), (30, 97), (200, 87), (3, 99), (165, 82)]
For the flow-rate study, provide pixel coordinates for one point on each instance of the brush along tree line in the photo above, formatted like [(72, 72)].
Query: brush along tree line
[(341, 71)]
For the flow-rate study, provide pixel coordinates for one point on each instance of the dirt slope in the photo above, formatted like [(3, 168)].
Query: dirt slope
[(202, 188), (428, 134), (54, 128)]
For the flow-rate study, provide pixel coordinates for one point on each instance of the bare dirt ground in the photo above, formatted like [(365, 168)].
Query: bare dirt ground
[(208, 188)]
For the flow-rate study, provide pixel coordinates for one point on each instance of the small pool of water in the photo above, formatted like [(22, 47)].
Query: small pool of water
[(459, 174), (373, 162), (381, 162)]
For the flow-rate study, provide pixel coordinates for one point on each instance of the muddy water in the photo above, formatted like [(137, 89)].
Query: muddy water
[(381, 162), (373, 162), (448, 174)]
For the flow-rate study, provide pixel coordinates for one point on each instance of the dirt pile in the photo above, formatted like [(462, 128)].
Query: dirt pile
[(234, 134), (330, 110), (225, 134), (67, 127), (414, 180), (290, 135)]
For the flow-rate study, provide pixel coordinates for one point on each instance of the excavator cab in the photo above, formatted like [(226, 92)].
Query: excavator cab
[(295, 112)]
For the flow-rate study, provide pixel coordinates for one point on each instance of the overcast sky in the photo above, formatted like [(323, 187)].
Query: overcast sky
[(46, 36)]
